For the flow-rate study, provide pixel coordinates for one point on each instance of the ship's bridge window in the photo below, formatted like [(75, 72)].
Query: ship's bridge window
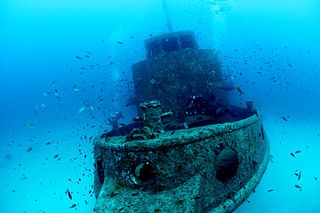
[(186, 41), (154, 48), (170, 44)]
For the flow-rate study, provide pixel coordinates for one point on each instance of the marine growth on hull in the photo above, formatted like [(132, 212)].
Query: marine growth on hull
[(182, 80), (188, 149)]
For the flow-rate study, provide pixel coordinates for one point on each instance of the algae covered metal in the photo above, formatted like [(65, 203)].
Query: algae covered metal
[(188, 149)]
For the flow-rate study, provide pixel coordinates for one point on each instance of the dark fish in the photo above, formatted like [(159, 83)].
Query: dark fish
[(296, 152), (73, 205), (298, 187), (119, 42), (315, 178), (172, 132), (55, 156), (69, 194), (29, 149), (238, 89), (111, 62), (78, 57), (299, 176), (135, 193), (292, 154), (48, 143), (284, 118), (270, 190), (131, 37)]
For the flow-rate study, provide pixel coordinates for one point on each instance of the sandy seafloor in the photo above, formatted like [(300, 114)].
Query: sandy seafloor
[(35, 181)]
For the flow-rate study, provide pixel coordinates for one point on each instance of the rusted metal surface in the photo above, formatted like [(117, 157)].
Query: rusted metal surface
[(193, 170)]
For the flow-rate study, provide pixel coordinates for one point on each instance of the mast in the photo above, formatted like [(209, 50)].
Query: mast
[(165, 8)]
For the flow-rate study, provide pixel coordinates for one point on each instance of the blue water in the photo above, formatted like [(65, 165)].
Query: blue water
[(271, 49)]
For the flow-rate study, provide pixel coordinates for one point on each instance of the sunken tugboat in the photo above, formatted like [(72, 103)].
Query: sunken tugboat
[(188, 149)]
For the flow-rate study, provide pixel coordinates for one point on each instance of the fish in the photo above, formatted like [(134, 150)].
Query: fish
[(284, 118), (57, 94), (119, 42), (299, 176), (29, 124), (237, 87), (69, 194), (298, 151), (292, 154), (81, 109), (72, 206), (78, 57), (131, 37), (298, 187), (270, 190), (172, 132), (315, 178), (55, 156), (29, 149)]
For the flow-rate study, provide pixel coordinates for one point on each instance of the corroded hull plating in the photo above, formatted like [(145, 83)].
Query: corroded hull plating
[(212, 168)]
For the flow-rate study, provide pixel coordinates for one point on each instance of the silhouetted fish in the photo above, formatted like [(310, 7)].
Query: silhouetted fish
[(73, 205), (69, 194), (298, 187)]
